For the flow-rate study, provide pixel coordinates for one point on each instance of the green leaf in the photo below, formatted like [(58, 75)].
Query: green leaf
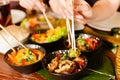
[(45, 74)]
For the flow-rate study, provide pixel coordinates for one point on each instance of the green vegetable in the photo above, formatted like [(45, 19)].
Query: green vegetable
[(43, 19), (62, 31), (73, 54), (80, 41), (23, 23), (65, 56), (53, 38)]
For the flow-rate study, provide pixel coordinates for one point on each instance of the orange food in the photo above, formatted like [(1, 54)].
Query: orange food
[(25, 57)]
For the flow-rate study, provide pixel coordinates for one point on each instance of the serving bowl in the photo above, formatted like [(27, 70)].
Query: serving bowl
[(72, 72), (86, 43), (25, 61), (50, 39)]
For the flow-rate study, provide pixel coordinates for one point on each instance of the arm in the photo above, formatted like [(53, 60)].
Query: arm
[(101, 10), (104, 9)]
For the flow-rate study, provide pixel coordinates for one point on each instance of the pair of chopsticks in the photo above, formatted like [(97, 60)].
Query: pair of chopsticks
[(71, 30), (12, 37)]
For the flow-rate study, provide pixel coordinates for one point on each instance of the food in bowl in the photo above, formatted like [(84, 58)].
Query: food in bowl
[(24, 56), (84, 44), (87, 42), (49, 35), (25, 60), (36, 22), (50, 39), (64, 64)]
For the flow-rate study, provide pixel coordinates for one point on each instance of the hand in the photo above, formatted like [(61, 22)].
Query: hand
[(62, 7), (33, 4), (82, 11)]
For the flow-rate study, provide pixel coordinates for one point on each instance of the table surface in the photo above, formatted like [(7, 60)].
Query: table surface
[(7, 73)]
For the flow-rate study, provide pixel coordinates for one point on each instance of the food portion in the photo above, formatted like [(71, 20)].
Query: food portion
[(24, 57), (67, 62), (49, 35), (36, 22), (84, 44)]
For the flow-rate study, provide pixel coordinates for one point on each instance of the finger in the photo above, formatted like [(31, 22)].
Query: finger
[(81, 21), (27, 4), (39, 5)]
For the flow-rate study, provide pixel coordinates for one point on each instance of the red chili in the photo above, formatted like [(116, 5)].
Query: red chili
[(92, 42), (81, 62), (58, 57), (23, 62), (35, 37)]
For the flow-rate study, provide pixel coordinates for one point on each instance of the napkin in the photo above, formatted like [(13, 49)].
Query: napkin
[(18, 32)]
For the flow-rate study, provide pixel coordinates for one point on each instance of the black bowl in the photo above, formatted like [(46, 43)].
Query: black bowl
[(95, 40), (49, 46), (26, 69), (86, 52), (70, 76)]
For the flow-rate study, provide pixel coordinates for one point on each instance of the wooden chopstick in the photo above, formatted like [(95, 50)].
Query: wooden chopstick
[(73, 29), (73, 35), (12, 36), (71, 32), (68, 30), (49, 23)]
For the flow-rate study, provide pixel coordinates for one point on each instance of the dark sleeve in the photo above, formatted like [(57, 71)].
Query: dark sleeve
[(46, 2), (91, 2)]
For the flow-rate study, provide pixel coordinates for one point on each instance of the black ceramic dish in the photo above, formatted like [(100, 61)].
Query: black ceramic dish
[(86, 52), (49, 46), (27, 69), (72, 76), (84, 36)]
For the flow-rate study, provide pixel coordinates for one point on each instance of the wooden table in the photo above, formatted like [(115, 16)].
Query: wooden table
[(7, 73)]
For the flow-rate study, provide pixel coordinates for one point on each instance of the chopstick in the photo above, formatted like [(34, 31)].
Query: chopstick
[(49, 23), (68, 30), (71, 32), (12, 36), (73, 35)]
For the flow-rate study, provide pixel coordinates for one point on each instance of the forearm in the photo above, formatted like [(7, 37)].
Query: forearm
[(103, 9)]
